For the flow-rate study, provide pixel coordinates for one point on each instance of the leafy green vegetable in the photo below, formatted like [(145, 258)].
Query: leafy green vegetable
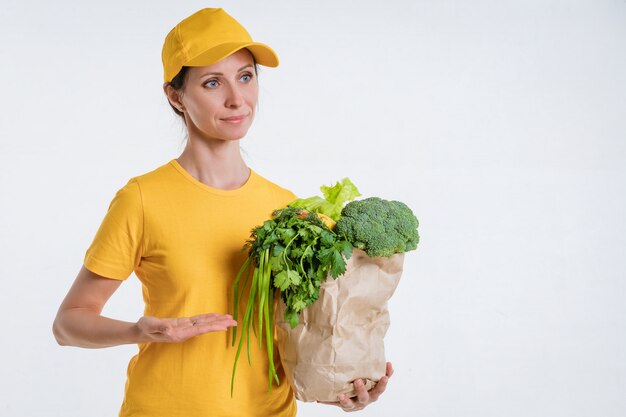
[(379, 227), (334, 198), (293, 252)]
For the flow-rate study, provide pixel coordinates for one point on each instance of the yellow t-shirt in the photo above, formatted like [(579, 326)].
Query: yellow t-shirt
[(183, 240)]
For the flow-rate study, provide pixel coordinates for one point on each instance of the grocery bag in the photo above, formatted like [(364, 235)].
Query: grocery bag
[(340, 336)]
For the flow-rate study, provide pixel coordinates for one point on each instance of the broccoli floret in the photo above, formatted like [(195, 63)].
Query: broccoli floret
[(379, 227)]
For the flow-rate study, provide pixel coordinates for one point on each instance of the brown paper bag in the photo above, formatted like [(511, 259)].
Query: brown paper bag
[(340, 336)]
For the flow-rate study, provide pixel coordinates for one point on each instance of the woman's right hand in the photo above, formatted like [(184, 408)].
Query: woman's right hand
[(174, 330)]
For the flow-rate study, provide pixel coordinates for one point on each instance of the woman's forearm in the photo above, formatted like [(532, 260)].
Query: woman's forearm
[(85, 328)]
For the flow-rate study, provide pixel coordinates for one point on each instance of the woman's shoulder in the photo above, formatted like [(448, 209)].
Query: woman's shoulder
[(154, 175)]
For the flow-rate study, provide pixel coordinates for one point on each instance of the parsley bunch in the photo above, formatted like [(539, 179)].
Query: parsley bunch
[(293, 252)]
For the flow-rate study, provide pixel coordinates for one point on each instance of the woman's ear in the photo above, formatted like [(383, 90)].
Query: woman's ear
[(173, 96)]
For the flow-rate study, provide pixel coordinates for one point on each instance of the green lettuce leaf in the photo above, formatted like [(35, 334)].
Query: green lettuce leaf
[(333, 201)]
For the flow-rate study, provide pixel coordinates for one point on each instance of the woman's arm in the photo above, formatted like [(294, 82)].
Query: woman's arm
[(79, 323)]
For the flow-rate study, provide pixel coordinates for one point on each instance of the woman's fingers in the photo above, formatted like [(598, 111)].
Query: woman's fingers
[(212, 324), (381, 385), (205, 319), (204, 323), (379, 388), (363, 397), (389, 370), (346, 403), (208, 316), (355, 403)]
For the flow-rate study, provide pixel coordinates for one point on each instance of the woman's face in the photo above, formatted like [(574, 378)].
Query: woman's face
[(220, 99)]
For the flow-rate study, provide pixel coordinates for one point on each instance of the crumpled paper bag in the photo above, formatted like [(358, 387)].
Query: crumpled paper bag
[(340, 336)]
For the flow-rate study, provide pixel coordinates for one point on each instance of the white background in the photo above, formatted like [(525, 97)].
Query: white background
[(501, 123)]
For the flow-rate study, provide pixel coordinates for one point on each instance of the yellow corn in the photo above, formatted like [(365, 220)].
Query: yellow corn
[(329, 222)]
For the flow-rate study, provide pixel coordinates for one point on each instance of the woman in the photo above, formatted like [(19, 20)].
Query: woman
[(180, 228)]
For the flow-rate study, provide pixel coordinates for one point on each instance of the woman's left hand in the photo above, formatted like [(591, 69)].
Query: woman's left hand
[(363, 397)]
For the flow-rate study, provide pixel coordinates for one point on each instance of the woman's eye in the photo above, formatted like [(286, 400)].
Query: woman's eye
[(249, 77), (211, 83)]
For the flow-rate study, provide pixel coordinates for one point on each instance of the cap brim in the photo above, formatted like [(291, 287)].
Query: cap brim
[(263, 54)]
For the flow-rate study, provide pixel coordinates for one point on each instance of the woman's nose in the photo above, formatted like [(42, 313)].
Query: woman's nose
[(234, 97)]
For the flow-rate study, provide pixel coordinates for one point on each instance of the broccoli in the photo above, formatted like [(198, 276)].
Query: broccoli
[(379, 227)]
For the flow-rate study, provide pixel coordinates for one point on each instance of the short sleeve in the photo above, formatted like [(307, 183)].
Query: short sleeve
[(117, 246)]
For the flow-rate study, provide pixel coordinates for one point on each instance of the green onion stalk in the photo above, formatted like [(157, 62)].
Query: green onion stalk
[(292, 253)]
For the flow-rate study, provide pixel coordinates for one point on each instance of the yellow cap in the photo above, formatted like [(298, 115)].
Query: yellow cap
[(206, 37)]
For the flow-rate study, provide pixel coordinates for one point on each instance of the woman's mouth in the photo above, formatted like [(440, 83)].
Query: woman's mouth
[(235, 119)]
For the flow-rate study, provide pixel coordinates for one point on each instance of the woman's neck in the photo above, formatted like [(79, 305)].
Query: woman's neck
[(217, 163)]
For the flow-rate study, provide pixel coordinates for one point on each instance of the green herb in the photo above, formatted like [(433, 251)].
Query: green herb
[(292, 253)]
